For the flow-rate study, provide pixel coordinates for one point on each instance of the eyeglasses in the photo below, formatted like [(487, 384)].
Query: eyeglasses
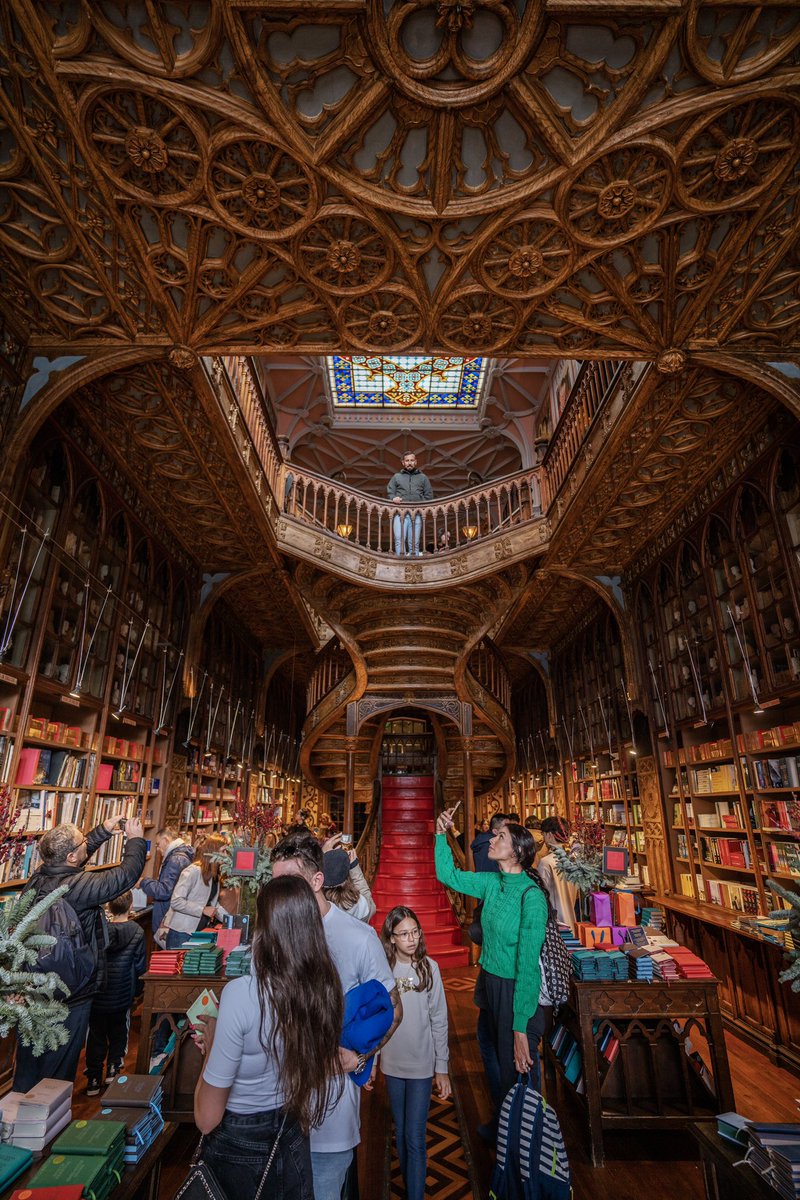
[(78, 845), (416, 934)]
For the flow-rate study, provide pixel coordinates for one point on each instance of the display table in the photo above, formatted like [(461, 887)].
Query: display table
[(652, 1083), (723, 1179), (169, 997), (138, 1183)]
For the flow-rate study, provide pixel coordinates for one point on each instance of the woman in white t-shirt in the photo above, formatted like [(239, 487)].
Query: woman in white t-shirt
[(555, 831), (272, 1056)]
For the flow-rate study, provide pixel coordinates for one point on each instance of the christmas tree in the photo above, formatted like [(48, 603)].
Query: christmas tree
[(29, 999), (792, 915)]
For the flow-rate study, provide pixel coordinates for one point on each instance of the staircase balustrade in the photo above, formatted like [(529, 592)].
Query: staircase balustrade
[(247, 408), (595, 382), (369, 844), (333, 664), (444, 525), (487, 667)]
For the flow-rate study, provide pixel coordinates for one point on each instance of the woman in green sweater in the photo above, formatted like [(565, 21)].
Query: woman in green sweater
[(513, 921)]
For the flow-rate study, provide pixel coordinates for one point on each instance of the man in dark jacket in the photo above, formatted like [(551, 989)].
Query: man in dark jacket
[(65, 851), (176, 856), (480, 844), (110, 1019), (408, 487)]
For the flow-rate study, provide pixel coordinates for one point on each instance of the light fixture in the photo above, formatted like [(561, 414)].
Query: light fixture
[(344, 531), (74, 693), (469, 531)]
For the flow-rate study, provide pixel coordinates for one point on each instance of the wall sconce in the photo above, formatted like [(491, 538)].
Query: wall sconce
[(469, 531), (344, 530)]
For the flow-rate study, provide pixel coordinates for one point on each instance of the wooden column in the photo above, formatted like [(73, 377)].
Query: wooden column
[(469, 809), (350, 745)]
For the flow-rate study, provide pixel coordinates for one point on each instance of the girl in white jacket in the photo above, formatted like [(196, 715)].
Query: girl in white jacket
[(195, 900), (417, 1055)]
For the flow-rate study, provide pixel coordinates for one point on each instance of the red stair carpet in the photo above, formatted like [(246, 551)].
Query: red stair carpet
[(405, 871)]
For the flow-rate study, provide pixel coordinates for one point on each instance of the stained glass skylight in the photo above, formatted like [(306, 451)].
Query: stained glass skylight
[(404, 381)]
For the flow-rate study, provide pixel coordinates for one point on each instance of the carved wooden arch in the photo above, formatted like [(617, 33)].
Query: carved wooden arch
[(547, 681), (59, 389), (444, 707), (761, 374), (624, 621)]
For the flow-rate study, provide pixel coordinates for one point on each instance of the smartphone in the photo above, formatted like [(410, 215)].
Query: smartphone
[(346, 839), (455, 810), (122, 825)]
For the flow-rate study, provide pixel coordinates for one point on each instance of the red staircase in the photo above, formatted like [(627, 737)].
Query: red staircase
[(405, 872)]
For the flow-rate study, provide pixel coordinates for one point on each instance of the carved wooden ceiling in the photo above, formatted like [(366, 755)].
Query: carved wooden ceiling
[(495, 441), (478, 176)]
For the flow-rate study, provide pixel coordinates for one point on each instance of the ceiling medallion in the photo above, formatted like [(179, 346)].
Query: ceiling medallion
[(671, 362), (477, 327), (525, 261), (343, 256), (261, 194), (735, 159), (453, 15), (182, 357), (383, 323), (616, 200), (146, 149)]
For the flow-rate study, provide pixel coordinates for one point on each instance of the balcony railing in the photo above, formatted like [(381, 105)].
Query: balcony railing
[(248, 408), (596, 380), (486, 665), (438, 526)]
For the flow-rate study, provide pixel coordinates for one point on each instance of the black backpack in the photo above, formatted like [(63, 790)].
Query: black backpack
[(70, 957), (532, 1161)]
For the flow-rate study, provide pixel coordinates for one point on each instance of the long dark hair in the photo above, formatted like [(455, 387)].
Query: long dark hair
[(524, 848), (296, 978), (419, 959)]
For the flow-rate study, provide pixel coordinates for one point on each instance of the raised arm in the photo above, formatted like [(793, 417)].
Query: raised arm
[(470, 883)]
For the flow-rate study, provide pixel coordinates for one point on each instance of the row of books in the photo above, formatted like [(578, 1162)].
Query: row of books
[(59, 768), (22, 861), (57, 731), (768, 739), (782, 814), (705, 752), (726, 852), (721, 777), (772, 772), (124, 776), (44, 809), (123, 748), (784, 858), (737, 896), (32, 1119)]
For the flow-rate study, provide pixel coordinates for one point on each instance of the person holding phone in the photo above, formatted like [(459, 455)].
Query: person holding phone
[(344, 883), (513, 919)]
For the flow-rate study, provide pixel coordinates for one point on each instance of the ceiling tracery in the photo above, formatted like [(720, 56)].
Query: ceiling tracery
[(489, 176)]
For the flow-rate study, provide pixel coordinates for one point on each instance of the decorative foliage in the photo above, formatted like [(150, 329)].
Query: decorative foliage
[(28, 1000), (582, 864), (253, 825), (792, 973)]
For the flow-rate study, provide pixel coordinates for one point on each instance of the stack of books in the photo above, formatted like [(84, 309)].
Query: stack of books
[(201, 959), (689, 965), (134, 1091), (166, 962), (89, 1153), (606, 965), (640, 963), (571, 941), (664, 966), (32, 1119), (238, 962), (142, 1127), (653, 918), (774, 1151)]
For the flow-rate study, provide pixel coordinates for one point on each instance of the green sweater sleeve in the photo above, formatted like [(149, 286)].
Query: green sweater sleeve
[(471, 883), (528, 981)]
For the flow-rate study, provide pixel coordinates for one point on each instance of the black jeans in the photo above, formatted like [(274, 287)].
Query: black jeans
[(497, 997), (54, 1064), (107, 1040), (238, 1149)]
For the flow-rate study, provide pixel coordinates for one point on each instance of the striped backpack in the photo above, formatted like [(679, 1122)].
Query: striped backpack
[(531, 1159)]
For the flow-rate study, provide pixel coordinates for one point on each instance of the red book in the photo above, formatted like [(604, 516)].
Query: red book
[(73, 1191), (27, 766), (104, 773)]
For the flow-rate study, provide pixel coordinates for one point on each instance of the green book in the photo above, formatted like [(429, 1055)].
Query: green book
[(66, 1170), (13, 1161), (91, 1137)]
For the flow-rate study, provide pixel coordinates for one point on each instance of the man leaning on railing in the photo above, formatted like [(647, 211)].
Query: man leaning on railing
[(408, 486)]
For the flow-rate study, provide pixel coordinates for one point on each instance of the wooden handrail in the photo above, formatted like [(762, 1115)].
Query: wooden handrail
[(437, 526), (486, 665), (595, 381), (330, 669), (250, 410)]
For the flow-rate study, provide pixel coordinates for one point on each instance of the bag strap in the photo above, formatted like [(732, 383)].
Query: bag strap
[(270, 1160)]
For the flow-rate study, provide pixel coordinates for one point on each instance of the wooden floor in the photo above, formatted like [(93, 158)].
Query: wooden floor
[(662, 1167)]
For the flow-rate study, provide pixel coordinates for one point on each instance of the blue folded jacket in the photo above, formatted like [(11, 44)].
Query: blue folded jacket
[(368, 1016)]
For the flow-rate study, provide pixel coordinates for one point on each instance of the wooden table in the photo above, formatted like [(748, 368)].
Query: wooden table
[(724, 1180), (169, 997), (140, 1182), (652, 1083)]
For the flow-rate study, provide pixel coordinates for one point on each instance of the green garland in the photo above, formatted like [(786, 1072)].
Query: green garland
[(792, 973), (28, 1001)]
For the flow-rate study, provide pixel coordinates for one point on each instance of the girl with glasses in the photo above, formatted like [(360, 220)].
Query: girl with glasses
[(416, 1056)]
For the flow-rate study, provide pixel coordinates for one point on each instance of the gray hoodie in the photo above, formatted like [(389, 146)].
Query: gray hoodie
[(411, 486)]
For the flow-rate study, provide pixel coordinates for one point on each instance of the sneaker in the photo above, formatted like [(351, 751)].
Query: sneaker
[(93, 1087), (112, 1071)]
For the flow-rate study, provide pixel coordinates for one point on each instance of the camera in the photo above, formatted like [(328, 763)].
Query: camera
[(122, 825), (347, 839)]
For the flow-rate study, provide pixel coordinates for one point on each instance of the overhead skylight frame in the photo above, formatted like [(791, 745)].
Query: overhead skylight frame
[(432, 389)]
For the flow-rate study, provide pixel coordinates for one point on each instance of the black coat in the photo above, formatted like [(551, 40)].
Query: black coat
[(126, 962), (89, 891)]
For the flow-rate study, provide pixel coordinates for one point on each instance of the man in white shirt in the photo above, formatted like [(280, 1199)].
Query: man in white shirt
[(359, 957)]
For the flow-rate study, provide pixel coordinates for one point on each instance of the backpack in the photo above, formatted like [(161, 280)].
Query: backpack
[(70, 957), (532, 1161)]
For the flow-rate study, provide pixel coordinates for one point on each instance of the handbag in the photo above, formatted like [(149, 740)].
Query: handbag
[(202, 1184), (555, 959)]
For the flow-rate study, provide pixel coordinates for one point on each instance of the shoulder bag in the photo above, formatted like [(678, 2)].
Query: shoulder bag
[(556, 963), (202, 1184)]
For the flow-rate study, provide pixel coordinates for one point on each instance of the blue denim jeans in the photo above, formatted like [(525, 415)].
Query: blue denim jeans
[(402, 533), (61, 1063), (176, 938), (238, 1150), (410, 1100), (330, 1172)]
